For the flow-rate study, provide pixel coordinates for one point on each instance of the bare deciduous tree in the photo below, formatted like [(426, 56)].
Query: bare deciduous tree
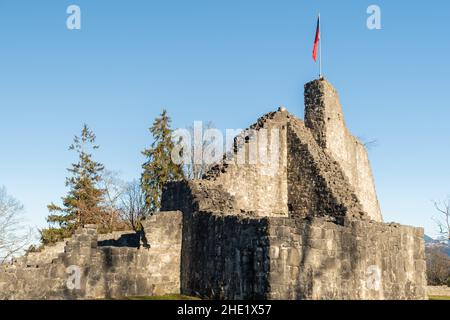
[(438, 266), (124, 202), (197, 166), (13, 236), (443, 220), (113, 188), (133, 207)]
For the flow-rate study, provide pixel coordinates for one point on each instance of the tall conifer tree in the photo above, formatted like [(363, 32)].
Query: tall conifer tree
[(159, 167), (83, 203)]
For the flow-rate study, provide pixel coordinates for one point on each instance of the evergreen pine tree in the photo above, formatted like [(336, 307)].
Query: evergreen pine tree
[(83, 203), (159, 167)]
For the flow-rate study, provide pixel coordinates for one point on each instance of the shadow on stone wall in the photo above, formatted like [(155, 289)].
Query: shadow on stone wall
[(119, 267), (131, 240)]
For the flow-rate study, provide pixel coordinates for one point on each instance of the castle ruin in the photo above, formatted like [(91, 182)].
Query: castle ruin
[(303, 225)]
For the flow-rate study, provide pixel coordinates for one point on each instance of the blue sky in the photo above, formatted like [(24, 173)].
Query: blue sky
[(227, 62)]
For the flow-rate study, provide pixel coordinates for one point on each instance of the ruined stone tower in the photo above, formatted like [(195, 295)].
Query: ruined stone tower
[(308, 227), (291, 213), (323, 115)]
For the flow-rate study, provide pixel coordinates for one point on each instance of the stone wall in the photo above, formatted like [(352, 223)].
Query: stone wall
[(317, 185), (119, 239), (307, 180), (46, 255), (254, 173), (227, 257), (318, 259), (235, 256), (323, 115), (443, 291), (86, 270), (224, 254)]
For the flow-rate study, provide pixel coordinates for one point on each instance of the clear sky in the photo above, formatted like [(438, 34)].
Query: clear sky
[(225, 61)]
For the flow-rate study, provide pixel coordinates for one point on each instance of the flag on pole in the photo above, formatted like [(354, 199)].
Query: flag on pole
[(317, 40)]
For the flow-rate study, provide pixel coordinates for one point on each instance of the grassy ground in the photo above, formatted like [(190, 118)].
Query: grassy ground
[(167, 297), (439, 298)]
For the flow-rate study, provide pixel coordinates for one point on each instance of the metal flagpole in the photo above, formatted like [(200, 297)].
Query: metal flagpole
[(320, 49)]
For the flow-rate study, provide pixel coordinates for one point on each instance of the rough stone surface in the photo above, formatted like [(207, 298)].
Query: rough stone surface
[(259, 165), (318, 259), (239, 243), (245, 257), (442, 291), (303, 223), (317, 185), (105, 271), (323, 115)]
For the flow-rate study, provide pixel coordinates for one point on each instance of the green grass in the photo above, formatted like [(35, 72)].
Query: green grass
[(167, 297), (439, 297)]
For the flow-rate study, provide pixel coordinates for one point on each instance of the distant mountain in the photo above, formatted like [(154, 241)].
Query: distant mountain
[(428, 239), (430, 242)]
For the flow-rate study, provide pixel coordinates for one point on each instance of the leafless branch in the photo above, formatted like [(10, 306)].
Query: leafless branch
[(14, 237), (197, 167), (443, 220), (369, 144), (133, 207)]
